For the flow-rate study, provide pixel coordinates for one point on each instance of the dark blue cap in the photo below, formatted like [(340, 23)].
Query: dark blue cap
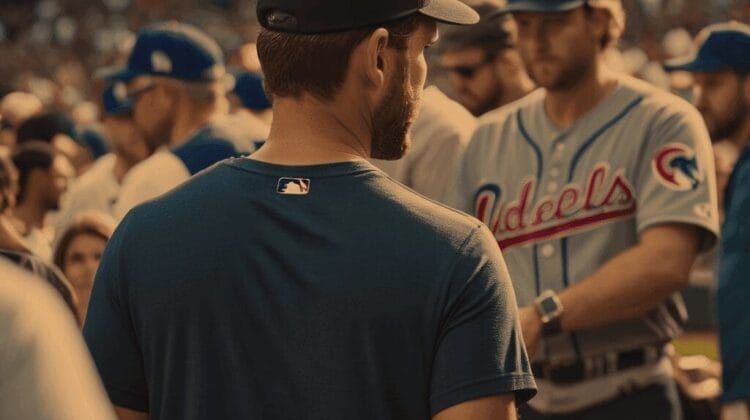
[(541, 5), (723, 46), (116, 100), (93, 140), (173, 50), (248, 87), (310, 17)]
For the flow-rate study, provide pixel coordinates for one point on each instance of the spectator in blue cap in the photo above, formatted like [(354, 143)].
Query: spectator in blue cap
[(176, 82), (99, 187), (721, 71)]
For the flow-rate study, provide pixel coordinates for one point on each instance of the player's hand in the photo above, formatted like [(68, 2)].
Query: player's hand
[(531, 325)]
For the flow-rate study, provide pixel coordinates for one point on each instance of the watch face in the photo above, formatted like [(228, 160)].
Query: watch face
[(548, 306)]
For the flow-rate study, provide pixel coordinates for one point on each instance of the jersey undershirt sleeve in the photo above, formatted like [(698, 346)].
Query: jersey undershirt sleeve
[(480, 351), (677, 180), (109, 330)]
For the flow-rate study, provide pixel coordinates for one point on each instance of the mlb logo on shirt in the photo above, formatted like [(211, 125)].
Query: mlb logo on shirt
[(293, 186)]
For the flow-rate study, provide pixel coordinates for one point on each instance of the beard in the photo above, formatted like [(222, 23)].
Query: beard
[(393, 119), (727, 126), (158, 135), (489, 103)]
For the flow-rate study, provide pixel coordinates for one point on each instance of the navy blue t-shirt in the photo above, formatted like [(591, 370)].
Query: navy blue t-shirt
[(260, 291)]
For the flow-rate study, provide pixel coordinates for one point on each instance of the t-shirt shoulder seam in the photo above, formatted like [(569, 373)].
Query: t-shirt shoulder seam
[(469, 219)]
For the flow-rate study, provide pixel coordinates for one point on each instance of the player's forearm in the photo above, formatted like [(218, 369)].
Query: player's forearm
[(629, 285)]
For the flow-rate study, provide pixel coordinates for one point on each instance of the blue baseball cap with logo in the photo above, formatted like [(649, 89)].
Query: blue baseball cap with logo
[(723, 46), (115, 99), (311, 17), (174, 50)]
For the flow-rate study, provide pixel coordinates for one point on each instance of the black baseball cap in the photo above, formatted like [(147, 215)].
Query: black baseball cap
[(491, 34), (320, 16)]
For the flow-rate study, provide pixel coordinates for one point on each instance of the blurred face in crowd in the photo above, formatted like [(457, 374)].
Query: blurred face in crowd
[(80, 262), (475, 78), (125, 138), (8, 184), (76, 154), (154, 109), (720, 97), (559, 48), (398, 109), (7, 134), (57, 178)]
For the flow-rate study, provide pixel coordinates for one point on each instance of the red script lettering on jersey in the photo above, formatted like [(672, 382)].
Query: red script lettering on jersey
[(606, 196)]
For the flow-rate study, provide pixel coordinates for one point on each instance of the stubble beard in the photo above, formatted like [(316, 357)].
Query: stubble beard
[(729, 127), (393, 119)]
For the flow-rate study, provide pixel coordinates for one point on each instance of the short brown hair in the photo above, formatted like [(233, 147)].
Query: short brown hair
[(294, 64)]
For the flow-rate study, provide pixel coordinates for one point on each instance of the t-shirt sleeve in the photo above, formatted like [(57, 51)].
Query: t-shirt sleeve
[(109, 330), (677, 183), (480, 350)]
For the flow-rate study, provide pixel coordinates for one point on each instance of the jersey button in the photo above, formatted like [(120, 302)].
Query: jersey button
[(560, 147), (548, 251), (554, 172), (552, 187)]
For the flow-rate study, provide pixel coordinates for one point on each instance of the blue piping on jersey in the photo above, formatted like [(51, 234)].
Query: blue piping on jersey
[(539, 162), (564, 241), (532, 143), (598, 133)]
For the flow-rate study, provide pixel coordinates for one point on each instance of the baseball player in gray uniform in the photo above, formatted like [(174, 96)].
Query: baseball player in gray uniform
[(600, 189)]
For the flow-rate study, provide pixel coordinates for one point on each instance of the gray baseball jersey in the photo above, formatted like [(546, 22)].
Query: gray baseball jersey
[(562, 202)]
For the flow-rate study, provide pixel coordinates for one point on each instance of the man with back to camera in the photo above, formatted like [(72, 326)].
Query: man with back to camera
[(600, 189), (302, 282), (175, 82), (482, 60), (721, 77)]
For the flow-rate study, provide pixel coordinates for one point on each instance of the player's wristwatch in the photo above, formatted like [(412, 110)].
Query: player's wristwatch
[(550, 308)]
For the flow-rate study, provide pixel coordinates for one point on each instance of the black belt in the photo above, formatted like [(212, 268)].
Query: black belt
[(596, 366)]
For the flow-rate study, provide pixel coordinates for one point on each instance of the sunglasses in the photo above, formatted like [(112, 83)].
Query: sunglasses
[(133, 94), (5, 124), (468, 72)]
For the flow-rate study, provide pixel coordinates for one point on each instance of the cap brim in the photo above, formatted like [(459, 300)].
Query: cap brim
[(115, 74), (693, 64), (540, 6), (450, 11)]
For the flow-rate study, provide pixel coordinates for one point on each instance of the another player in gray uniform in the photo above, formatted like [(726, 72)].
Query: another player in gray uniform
[(601, 191)]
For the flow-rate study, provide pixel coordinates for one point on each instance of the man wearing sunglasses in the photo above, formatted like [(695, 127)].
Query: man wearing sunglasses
[(176, 84), (485, 69)]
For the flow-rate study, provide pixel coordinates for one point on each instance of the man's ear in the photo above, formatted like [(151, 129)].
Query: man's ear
[(745, 88), (598, 21), (374, 49)]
